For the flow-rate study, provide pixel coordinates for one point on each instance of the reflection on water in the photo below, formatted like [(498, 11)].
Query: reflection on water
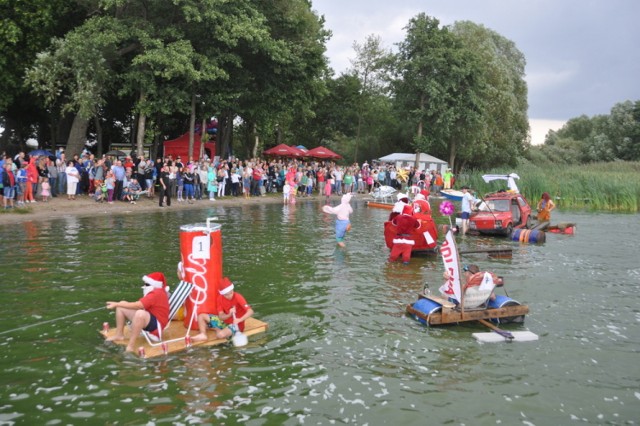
[(339, 347)]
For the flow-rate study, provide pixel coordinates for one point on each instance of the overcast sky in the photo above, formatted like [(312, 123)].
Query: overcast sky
[(583, 56)]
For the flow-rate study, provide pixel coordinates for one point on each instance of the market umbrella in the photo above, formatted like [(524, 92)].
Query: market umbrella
[(322, 152), (40, 152), (116, 153), (297, 152), (281, 150)]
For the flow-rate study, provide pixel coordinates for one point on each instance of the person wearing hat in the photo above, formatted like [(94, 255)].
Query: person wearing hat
[(398, 207), (405, 224), (233, 311), (150, 313), (468, 201)]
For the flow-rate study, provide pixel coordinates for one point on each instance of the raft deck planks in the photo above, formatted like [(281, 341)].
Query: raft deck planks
[(176, 330), (449, 315)]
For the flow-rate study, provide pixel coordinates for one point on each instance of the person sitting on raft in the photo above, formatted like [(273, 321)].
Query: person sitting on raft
[(225, 324), (150, 313), (473, 280)]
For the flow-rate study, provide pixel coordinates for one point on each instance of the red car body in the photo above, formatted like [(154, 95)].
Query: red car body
[(503, 212)]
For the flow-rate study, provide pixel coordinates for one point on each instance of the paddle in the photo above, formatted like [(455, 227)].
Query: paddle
[(506, 334), (239, 338)]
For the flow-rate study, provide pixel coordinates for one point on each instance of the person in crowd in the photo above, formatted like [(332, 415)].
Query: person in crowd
[(110, 185), (286, 191), (45, 191), (150, 313), (212, 182), (119, 174), (32, 181), (8, 186), (53, 177), (544, 207), (73, 177), (233, 311), (21, 178), (188, 181), (448, 179), (165, 186)]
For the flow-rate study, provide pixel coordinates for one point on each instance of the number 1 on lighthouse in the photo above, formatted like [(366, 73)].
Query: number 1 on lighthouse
[(200, 247)]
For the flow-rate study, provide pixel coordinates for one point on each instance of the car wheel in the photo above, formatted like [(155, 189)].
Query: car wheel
[(509, 230)]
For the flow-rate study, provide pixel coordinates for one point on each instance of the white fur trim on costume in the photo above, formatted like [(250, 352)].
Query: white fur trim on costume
[(152, 282), (226, 289), (403, 241)]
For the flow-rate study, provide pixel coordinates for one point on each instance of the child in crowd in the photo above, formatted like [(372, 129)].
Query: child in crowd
[(45, 189), (286, 191), (110, 183), (98, 195), (327, 190)]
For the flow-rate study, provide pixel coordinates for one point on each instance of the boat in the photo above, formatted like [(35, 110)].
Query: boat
[(200, 274), (475, 303), (561, 228), (425, 238), (452, 194), (383, 194), (434, 310), (380, 205), (177, 338)]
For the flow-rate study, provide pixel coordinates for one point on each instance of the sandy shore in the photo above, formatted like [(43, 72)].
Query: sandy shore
[(85, 206)]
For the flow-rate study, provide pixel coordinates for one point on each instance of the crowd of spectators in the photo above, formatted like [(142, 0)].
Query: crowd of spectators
[(111, 179)]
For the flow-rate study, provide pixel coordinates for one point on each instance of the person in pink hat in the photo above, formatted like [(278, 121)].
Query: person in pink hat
[(150, 313), (233, 310)]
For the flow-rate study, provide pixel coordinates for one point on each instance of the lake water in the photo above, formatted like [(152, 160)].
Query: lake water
[(339, 349)]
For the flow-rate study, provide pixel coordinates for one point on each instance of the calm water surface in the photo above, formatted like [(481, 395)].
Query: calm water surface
[(339, 349)]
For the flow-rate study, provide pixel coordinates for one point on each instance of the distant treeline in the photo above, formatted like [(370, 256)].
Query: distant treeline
[(601, 138)]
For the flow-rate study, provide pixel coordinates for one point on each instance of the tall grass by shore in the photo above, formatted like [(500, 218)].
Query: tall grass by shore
[(613, 187)]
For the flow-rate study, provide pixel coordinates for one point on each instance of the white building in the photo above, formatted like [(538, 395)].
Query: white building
[(425, 161)]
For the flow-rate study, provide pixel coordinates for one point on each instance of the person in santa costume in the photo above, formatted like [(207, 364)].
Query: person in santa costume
[(402, 243), (233, 310), (150, 313)]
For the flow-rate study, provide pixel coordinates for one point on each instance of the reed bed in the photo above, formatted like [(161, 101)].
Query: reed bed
[(613, 187)]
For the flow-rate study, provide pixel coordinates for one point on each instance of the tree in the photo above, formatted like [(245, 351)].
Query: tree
[(369, 66), (437, 87)]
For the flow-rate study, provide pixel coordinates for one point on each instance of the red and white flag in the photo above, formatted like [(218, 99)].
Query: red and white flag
[(449, 252)]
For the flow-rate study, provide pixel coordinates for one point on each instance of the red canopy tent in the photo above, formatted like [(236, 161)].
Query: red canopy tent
[(179, 147), (298, 152), (322, 152), (281, 150)]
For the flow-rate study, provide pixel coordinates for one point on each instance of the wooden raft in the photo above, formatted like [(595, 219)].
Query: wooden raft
[(450, 314), (176, 330)]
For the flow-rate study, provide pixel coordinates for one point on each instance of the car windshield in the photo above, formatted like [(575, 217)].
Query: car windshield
[(499, 205)]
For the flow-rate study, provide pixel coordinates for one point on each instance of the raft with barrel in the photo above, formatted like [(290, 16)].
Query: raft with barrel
[(434, 310)]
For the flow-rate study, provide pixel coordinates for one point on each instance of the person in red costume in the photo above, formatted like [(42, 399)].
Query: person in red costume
[(233, 310), (405, 224), (421, 204), (150, 313)]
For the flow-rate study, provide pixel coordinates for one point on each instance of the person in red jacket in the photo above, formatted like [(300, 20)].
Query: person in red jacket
[(150, 313), (405, 224), (233, 310)]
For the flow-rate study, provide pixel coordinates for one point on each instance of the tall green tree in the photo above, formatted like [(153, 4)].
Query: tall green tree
[(437, 87)]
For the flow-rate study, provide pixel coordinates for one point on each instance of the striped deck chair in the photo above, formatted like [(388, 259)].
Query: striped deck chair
[(176, 300)]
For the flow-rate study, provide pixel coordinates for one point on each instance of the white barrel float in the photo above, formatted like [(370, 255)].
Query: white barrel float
[(201, 253), (529, 236)]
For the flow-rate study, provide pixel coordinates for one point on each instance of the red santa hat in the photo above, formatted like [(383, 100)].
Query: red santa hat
[(155, 279), (226, 286), (408, 210)]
